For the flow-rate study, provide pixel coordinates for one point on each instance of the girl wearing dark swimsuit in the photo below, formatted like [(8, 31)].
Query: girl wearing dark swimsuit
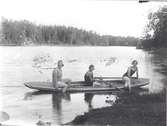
[(88, 77), (130, 72)]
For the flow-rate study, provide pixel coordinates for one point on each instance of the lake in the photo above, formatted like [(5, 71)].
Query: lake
[(24, 64)]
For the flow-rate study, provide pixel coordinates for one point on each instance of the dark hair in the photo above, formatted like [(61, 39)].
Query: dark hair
[(90, 66), (134, 61), (59, 61)]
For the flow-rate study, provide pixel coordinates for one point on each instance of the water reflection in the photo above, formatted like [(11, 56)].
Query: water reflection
[(57, 105), (159, 59), (62, 104), (88, 99), (156, 70), (29, 95)]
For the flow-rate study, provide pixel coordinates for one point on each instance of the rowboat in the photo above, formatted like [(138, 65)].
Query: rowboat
[(112, 84)]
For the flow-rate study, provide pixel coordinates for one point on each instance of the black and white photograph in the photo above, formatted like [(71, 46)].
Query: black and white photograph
[(83, 62)]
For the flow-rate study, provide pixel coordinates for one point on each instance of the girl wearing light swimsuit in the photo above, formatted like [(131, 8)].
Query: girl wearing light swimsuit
[(130, 72)]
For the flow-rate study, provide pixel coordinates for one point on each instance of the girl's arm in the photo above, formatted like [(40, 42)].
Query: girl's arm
[(54, 78), (129, 69), (91, 77), (137, 73)]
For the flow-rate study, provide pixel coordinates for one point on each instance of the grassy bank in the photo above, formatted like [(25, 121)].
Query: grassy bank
[(129, 110)]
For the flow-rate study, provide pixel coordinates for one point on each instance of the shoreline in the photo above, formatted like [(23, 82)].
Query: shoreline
[(59, 45), (129, 109)]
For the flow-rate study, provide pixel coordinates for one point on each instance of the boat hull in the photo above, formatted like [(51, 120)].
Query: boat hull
[(80, 86)]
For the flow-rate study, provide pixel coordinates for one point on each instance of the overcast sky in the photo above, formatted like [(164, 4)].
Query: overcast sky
[(126, 18)]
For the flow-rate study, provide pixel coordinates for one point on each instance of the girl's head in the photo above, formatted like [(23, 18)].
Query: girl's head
[(91, 67), (60, 64), (134, 62)]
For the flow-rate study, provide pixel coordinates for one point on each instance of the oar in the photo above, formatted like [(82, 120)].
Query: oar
[(111, 78), (47, 67)]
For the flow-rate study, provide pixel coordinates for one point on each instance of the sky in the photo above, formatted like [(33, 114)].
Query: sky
[(105, 17)]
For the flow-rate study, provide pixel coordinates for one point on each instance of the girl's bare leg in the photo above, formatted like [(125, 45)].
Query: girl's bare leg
[(127, 83)]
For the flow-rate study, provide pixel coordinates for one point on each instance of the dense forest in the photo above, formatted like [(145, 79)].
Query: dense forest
[(27, 33), (155, 33)]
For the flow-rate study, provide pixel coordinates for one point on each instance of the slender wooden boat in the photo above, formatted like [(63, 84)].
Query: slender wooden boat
[(112, 84)]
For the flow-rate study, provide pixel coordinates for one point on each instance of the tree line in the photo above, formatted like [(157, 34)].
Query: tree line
[(155, 32), (27, 33)]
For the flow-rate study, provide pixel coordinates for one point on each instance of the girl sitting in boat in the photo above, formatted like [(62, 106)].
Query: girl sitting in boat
[(89, 76), (57, 77), (89, 79), (128, 75)]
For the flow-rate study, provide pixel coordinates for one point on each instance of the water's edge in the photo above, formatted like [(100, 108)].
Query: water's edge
[(130, 109)]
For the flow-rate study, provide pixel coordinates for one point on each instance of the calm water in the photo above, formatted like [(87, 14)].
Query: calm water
[(24, 64)]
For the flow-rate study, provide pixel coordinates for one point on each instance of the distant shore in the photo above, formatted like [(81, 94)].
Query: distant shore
[(65, 45), (129, 110)]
